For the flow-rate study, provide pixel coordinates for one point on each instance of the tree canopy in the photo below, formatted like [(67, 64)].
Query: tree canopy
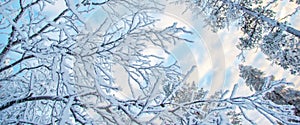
[(58, 68)]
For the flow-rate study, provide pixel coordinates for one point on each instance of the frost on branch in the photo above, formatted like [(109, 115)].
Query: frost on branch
[(276, 91), (285, 96), (64, 73), (191, 105)]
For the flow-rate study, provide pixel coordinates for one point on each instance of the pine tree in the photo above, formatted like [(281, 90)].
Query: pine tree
[(262, 29), (280, 94)]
